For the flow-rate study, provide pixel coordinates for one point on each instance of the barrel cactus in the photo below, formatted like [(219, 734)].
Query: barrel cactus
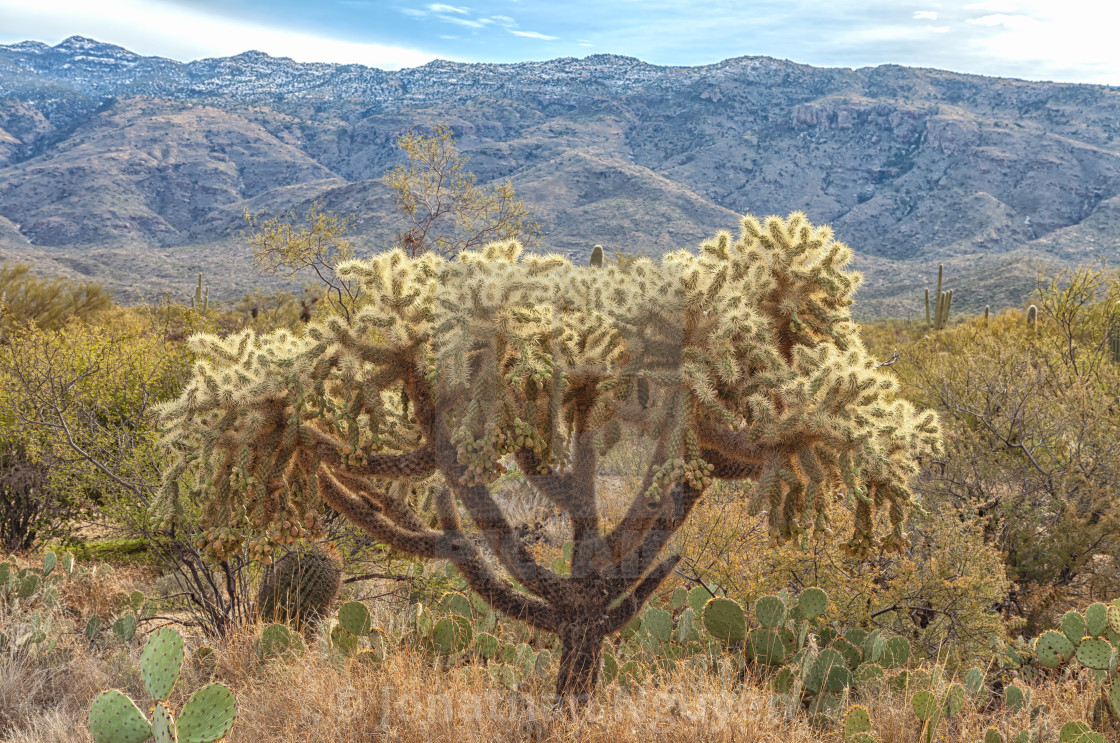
[(300, 587)]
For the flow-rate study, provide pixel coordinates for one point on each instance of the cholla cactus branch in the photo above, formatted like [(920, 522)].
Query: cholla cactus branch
[(740, 362)]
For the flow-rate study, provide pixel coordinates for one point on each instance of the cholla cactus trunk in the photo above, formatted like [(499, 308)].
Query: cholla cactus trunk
[(739, 363)]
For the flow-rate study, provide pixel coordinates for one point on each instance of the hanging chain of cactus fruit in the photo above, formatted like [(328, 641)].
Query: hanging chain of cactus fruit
[(739, 362)]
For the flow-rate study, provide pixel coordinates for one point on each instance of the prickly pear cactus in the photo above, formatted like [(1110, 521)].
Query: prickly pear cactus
[(300, 587), (857, 722), (724, 620), (206, 718)]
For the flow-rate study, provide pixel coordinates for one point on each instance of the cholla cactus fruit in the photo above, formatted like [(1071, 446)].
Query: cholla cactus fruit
[(897, 652), (856, 720), (974, 681), (160, 661), (208, 715), (353, 616), (278, 640), (924, 705), (1094, 653), (1073, 626), (770, 611), (1053, 649), (125, 627), (658, 623), (1096, 619), (163, 725), (1113, 617), (724, 620), (765, 646), (853, 656), (812, 603), (114, 718), (50, 559), (698, 597), (1014, 697)]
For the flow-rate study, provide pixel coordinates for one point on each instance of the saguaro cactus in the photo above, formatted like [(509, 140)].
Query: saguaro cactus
[(944, 302), (738, 363)]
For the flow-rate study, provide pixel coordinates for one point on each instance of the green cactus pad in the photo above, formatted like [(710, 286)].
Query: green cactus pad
[(278, 640), (448, 635), (67, 563), (856, 720), (896, 653), (50, 559), (1014, 697), (125, 627), (658, 623), (208, 714), (924, 705), (160, 661), (1073, 626), (819, 675), (163, 725), (679, 599), (783, 682), (771, 611), (991, 735), (812, 603), (697, 598), (839, 678), (610, 668), (873, 646), (114, 718), (974, 681), (29, 586), (1072, 731), (870, 676), (853, 656), (954, 699), (1095, 653), (354, 617), (365, 660), (1053, 649), (1114, 697), (765, 646), (457, 604), (93, 626), (685, 625), (824, 703), (856, 636), (486, 645), (724, 619), (1096, 619), (343, 640), (543, 664), (863, 738)]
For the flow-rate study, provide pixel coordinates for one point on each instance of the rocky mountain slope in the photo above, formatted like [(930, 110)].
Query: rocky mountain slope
[(137, 170)]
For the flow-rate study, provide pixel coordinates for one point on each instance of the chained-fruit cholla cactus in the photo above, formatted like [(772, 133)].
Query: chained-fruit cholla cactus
[(739, 362), (300, 587), (207, 716)]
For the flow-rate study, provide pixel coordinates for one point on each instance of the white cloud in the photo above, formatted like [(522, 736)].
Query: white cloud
[(925, 15), (1004, 19), (441, 8), (938, 29), (533, 35), (164, 29), (463, 21)]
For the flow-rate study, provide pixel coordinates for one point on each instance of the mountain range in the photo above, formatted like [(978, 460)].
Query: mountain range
[(136, 171)]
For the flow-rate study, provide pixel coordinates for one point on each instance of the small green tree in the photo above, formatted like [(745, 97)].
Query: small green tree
[(739, 363), (449, 211)]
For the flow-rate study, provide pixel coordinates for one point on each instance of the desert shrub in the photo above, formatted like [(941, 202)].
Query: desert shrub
[(942, 592), (46, 303), (1032, 420), (31, 509)]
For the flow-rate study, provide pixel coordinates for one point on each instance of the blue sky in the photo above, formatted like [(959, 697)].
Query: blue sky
[(1070, 40)]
